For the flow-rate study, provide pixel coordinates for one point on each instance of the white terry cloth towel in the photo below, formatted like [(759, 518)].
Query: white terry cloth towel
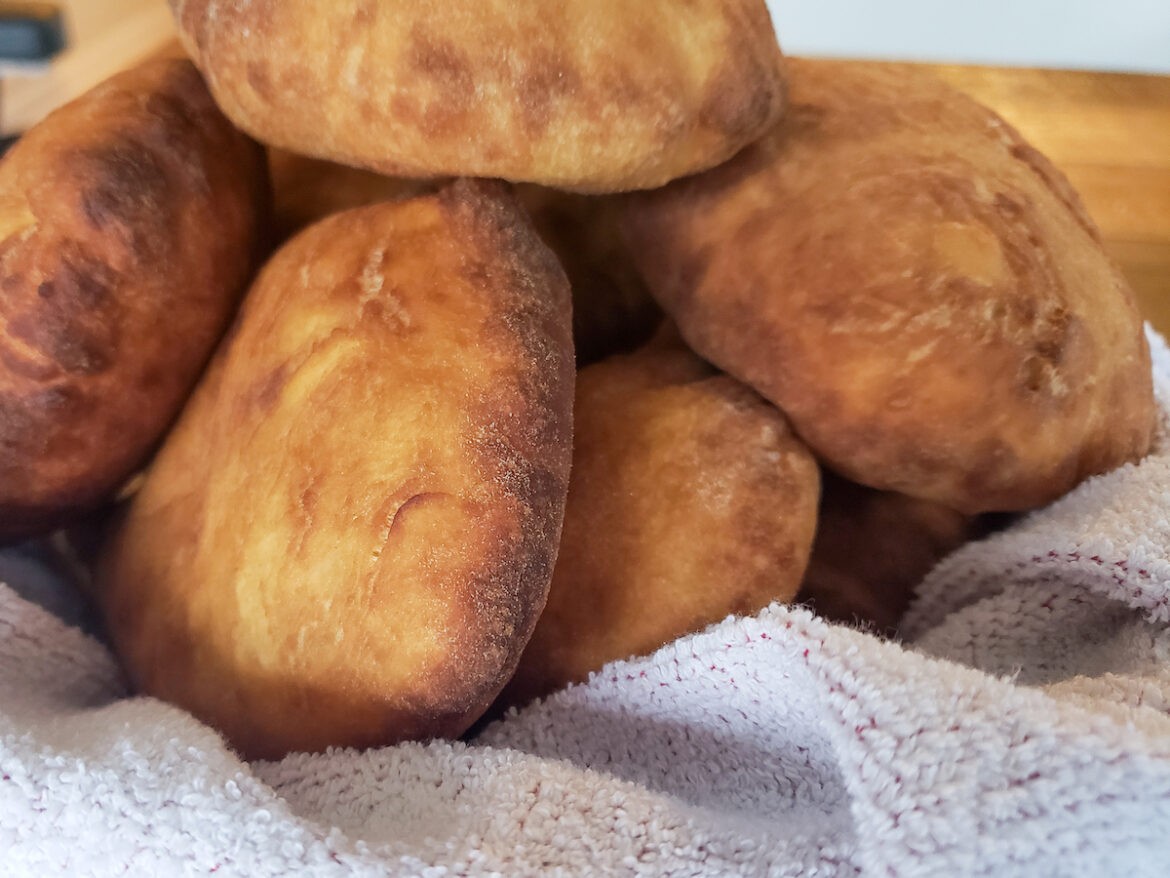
[(1020, 729)]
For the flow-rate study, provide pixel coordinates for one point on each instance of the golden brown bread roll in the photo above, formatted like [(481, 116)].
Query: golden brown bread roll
[(873, 548), (690, 499), (918, 289), (129, 226), (348, 536), (613, 311), (587, 95)]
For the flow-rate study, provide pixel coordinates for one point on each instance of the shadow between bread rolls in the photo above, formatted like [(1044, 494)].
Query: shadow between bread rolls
[(872, 550), (613, 312), (305, 190), (348, 536)]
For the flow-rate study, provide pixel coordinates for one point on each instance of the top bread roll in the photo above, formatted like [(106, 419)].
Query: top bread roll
[(585, 95), (130, 223), (919, 290)]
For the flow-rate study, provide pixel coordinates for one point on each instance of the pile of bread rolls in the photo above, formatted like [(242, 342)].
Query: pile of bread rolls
[(326, 290)]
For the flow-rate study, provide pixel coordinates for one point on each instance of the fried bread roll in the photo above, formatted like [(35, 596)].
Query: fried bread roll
[(130, 224), (349, 535), (920, 291), (873, 548), (587, 95), (690, 499)]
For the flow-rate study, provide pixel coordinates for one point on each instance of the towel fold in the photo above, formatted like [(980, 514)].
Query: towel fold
[(1020, 728)]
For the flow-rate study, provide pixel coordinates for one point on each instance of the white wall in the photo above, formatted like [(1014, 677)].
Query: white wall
[(1131, 35)]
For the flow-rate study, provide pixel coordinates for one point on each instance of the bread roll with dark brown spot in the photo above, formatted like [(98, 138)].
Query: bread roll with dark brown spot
[(919, 290), (130, 224), (593, 95), (690, 500), (348, 537)]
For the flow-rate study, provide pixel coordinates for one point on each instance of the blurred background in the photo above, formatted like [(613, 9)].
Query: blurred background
[(1119, 35), (101, 37)]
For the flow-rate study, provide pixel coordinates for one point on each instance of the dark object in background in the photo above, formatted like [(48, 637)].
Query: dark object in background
[(30, 31)]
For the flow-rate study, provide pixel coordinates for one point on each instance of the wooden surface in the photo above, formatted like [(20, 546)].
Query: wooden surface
[(1110, 133), (102, 37)]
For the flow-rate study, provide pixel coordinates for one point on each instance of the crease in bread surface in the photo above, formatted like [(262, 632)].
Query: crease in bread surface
[(349, 536)]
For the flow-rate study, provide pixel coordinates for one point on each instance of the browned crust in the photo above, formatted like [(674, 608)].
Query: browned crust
[(305, 190), (690, 499), (416, 90), (920, 291), (348, 537), (129, 224)]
